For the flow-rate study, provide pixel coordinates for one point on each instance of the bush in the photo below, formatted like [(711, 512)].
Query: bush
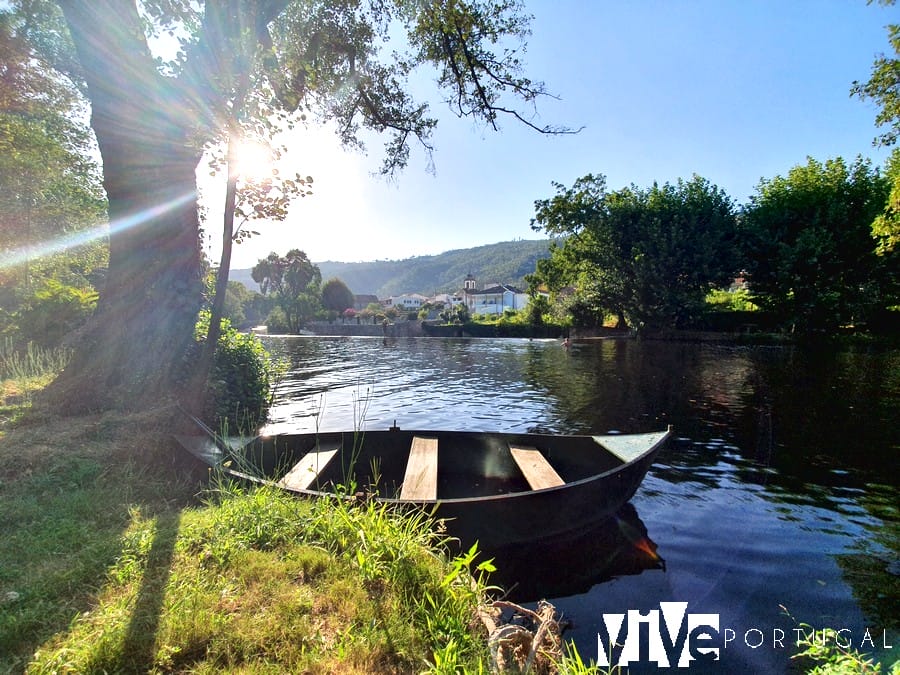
[(277, 322), (241, 381), (54, 311), (735, 301)]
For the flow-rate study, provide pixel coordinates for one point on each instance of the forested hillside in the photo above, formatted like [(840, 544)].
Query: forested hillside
[(505, 262)]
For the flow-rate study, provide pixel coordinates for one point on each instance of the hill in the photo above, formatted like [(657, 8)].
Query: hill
[(505, 262)]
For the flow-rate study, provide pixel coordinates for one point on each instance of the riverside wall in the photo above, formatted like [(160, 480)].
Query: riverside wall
[(399, 329)]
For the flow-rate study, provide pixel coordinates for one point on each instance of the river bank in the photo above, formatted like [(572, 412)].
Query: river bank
[(747, 335)]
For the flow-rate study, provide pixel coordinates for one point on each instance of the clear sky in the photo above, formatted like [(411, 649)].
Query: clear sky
[(732, 90)]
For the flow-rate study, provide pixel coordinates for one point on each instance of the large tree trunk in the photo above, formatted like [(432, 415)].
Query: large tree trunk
[(134, 349)]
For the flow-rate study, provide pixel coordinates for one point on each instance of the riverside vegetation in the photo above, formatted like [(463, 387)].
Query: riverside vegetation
[(113, 563)]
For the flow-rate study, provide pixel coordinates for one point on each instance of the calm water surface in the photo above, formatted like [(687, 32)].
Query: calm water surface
[(780, 493)]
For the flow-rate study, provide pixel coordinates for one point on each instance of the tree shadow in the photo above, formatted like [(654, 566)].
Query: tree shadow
[(139, 645)]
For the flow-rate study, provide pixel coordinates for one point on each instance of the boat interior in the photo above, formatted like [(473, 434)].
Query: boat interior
[(425, 466)]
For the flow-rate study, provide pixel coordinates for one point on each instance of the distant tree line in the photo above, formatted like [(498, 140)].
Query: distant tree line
[(814, 249)]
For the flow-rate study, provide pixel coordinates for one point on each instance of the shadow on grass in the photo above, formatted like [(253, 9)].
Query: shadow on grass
[(66, 489), (139, 645)]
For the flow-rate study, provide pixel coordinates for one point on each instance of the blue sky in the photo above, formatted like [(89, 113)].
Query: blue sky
[(732, 90)]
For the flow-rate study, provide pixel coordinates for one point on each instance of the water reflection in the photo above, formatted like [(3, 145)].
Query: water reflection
[(574, 563)]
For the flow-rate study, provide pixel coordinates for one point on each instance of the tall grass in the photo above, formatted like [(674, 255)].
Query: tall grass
[(23, 371), (32, 362)]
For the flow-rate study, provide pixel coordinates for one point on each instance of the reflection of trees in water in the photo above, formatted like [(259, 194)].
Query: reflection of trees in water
[(832, 409), (872, 565), (608, 384), (795, 414), (874, 586)]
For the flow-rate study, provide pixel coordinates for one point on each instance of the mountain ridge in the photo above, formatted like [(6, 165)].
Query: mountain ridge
[(503, 262)]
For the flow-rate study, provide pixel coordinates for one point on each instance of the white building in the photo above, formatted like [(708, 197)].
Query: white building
[(406, 302), (495, 299), (448, 299)]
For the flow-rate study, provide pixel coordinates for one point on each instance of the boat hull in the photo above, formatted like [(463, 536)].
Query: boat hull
[(481, 491)]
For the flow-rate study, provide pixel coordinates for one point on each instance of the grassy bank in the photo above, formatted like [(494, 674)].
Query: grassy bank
[(113, 560)]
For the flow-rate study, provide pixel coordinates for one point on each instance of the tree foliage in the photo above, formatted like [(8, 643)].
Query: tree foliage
[(810, 252), (883, 87), (294, 282), (49, 191), (647, 255), (336, 296), (886, 226)]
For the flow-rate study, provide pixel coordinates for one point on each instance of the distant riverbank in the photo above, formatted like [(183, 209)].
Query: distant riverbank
[(414, 329)]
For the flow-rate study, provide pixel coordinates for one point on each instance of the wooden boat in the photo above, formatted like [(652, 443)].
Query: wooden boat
[(500, 488)]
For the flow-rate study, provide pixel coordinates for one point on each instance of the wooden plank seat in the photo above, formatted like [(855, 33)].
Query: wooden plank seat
[(420, 481), (535, 467), (306, 472)]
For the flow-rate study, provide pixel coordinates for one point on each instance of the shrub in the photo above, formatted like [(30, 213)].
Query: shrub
[(241, 380), (54, 311), (277, 321)]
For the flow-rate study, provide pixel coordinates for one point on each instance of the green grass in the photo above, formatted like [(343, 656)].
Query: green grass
[(115, 560), (826, 655), (24, 371)]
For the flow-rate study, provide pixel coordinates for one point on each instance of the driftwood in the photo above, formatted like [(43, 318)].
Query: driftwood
[(527, 642)]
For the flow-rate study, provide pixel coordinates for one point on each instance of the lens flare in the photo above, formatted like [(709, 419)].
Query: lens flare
[(637, 539), (70, 241)]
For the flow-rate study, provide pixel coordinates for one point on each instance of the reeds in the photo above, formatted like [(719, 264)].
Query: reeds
[(31, 362), (23, 371)]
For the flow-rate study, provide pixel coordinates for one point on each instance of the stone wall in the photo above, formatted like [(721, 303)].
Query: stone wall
[(399, 329)]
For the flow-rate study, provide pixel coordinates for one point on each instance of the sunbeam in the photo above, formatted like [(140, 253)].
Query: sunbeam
[(67, 242)]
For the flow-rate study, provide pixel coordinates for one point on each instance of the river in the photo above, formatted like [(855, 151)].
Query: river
[(776, 505)]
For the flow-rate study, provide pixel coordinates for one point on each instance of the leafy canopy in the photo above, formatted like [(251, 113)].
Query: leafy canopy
[(272, 64), (294, 282), (809, 246), (883, 87), (336, 296), (49, 190), (647, 255)]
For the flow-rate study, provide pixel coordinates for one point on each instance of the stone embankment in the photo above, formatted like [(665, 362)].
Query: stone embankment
[(399, 329)]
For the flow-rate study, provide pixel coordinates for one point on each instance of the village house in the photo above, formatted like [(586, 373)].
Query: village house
[(406, 302), (448, 299), (494, 298), (360, 302)]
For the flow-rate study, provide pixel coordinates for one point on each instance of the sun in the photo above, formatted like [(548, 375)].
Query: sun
[(255, 160)]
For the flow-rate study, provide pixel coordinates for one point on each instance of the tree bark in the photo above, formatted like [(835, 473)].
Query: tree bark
[(134, 349)]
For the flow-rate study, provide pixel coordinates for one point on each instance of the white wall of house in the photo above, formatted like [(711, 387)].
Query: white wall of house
[(408, 301), (496, 300), (447, 299)]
